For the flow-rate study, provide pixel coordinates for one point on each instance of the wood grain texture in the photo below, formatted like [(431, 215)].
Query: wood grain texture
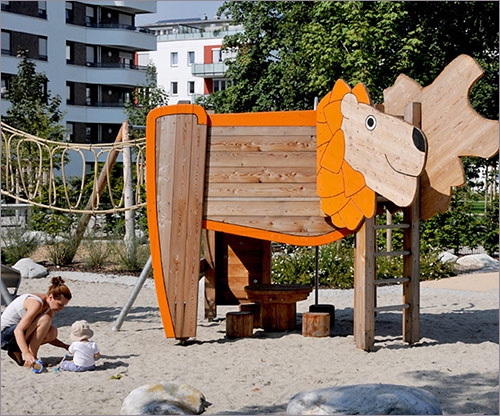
[(264, 178), (315, 324), (452, 127), (181, 149), (364, 287)]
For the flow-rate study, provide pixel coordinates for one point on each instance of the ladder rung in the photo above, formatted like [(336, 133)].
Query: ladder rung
[(392, 253), (393, 280), (392, 307), (391, 226)]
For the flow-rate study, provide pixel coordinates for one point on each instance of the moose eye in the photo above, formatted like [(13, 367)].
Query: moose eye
[(370, 122)]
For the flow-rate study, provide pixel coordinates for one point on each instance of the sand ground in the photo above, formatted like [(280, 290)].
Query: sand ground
[(456, 359)]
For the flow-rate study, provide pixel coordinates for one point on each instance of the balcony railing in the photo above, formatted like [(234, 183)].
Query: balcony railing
[(112, 26), (97, 104), (209, 70), (198, 35), (116, 65)]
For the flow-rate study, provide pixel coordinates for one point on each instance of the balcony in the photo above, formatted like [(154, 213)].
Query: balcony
[(107, 75), (209, 70), (115, 65), (209, 34), (113, 26)]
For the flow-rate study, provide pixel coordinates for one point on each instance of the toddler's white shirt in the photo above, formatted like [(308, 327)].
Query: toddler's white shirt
[(83, 353)]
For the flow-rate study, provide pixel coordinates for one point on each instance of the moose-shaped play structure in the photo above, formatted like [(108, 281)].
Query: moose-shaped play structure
[(303, 178)]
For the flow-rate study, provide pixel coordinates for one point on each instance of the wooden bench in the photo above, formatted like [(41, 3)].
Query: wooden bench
[(278, 303)]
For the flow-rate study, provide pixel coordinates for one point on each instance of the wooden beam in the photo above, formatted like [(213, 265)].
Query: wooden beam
[(209, 249), (364, 286), (411, 242)]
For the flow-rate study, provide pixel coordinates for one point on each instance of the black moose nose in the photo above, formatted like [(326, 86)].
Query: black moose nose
[(419, 139)]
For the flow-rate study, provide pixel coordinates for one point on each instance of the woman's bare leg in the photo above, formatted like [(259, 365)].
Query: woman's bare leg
[(40, 332)]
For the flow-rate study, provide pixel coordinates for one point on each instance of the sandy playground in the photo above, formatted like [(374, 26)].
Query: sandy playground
[(456, 360)]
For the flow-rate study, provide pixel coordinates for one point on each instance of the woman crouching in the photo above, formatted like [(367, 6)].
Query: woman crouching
[(27, 322)]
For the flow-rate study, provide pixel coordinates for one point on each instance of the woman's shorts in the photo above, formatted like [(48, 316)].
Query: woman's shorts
[(9, 342)]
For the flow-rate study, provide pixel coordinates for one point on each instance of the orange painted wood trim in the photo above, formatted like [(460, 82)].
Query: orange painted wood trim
[(154, 237), (274, 236), (279, 119)]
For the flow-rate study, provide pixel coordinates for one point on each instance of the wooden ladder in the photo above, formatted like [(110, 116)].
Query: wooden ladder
[(365, 269)]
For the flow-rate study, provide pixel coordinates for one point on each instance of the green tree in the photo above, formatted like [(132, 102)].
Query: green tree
[(292, 52), (33, 109), (145, 98)]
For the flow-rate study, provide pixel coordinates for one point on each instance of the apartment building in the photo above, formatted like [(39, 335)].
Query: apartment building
[(189, 59), (88, 52)]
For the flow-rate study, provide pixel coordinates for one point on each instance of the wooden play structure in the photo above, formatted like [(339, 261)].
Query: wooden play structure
[(302, 178)]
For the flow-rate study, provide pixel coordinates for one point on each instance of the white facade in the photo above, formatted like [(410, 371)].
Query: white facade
[(57, 33), (188, 59)]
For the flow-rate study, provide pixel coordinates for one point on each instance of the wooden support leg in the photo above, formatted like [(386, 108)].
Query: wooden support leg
[(411, 269), (210, 304), (364, 282), (411, 242)]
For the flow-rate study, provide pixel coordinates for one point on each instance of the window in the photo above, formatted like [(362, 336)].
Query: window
[(190, 58), (220, 84), (174, 58), (6, 42), (70, 92), (91, 95), (70, 131), (42, 9), (70, 52), (42, 48), (90, 16), (91, 54), (69, 12), (125, 20), (126, 59), (173, 88), (216, 55), (190, 87), (6, 79)]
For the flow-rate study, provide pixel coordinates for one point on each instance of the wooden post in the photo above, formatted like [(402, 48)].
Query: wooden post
[(210, 283), (411, 242), (239, 324), (128, 190), (388, 231), (364, 286), (254, 308), (76, 238), (315, 324)]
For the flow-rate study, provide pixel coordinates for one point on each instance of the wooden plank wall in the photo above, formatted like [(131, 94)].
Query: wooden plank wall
[(240, 261), (264, 177), (180, 166)]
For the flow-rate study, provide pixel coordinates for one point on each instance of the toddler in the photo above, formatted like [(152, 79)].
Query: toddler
[(84, 352)]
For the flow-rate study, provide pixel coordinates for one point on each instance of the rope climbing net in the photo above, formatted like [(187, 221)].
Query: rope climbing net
[(34, 172)]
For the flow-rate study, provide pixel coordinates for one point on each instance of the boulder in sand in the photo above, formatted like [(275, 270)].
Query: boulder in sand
[(477, 262), (365, 399), (164, 399), (30, 270), (447, 257)]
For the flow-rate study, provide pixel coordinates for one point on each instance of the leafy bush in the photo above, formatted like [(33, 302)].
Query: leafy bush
[(60, 252), (98, 253), (18, 243), (133, 261), (297, 265)]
